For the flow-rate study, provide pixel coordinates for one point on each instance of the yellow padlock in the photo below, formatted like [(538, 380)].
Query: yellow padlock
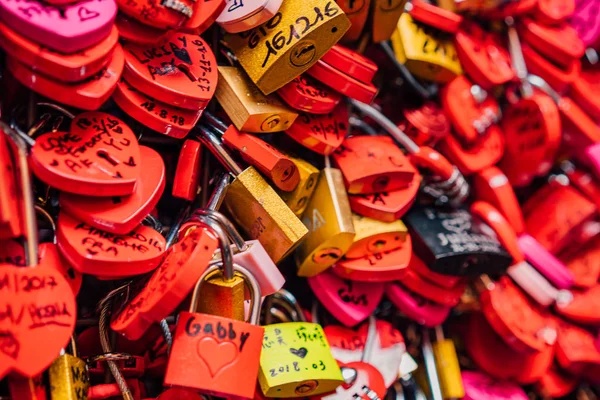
[(68, 375), (385, 18), (374, 237), (247, 107), (427, 53), (329, 220), (291, 42), (447, 366), (296, 361), (297, 199)]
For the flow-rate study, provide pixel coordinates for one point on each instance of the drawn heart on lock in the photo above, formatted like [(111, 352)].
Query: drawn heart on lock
[(100, 156), (66, 29), (216, 355), (350, 302), (301, 352), (96, 252), (40, 314), (122, 214)]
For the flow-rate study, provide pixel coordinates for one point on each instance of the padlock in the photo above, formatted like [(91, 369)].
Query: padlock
[(556, 383), (378, 267), (247, 107), (260, 154), (429, 290), (39, 287), (582, 92), (88, 94), (155, 114), (329, 222), (27, 388), (434, 16), (131, 30), (187, 174), (482, 56), (66, 29), (446, 242), (349, 302), (10, 214), (586, 22), (69, 68), (385, 16), (558, 43), (350, 63), (426, 124), (423, 271), (203, 16), (386, 206), (446, 363), (342, 82), (307, 94), (297, 200), (238, 17), (296, 361), (581, 307), (503, 9), (374, 237), (321, 133), (121, 214), (283, 47), (559, 78), (415, 307), (372, 164), (357, 12), (478, 386), (575, 349), (167, 15), (269, 219), (182, 72), (584, 265), (553, 12), (425, 51), (222, 348), (129, 366)]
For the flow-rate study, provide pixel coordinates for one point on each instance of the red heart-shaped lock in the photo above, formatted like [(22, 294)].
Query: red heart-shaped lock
[(10, 215), (559, 78), (342, 82), (583, 91), (551, 12), (321, 133), (583, 308), (515, 318), (100, 156), (511, 8), (416, 307), (131, 30), (182, 72), (39, 312), (425, 124), (350, 63), (88, 94), (305, 93), (445, 281), (559, 43), (64, 67), (585, 264), (158, 14), (367, 384), (181, 268), (187, 174), (386, 206), (156, 115), (482, 56), (11, 252), (349, 302), (575, 348), (380, 267), (205, 13), (121, 215), (96, 252), (435, 16), (441, 295), (556, 383)]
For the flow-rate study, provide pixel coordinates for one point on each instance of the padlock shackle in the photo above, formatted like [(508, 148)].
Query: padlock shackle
[(219, 192), (250, 282), (430, 367), (216, 123), (517, 59), (31, 239), (541, 84), (215, 146), (286, 301), (232, 232), (153, 222), (41, 211), (224, 245)]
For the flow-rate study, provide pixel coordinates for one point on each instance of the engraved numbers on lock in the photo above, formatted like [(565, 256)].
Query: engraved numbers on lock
[(304, 51)]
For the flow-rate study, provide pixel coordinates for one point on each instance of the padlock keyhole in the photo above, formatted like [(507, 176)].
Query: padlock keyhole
[(104, 154), (186, 70)]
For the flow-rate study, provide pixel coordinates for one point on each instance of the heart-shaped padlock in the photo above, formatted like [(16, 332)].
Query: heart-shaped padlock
[(39, 317), (583, 307), (479, 386), (575, 348), (187, 173), (305, 93), (131, 30), (10, 214), (426, 124), (66, 29), (100, 156), (559, 78), (583, 91), (556, 383), (378, 267), (415, 283), (205, 13), (64, 67), (161, 15), (415, 307), (182, 72), (121, 214), (367, 383), (585, 264), (155, 114), (321, 133), (560, 43), (88, 94), (96, 252), (445, 281), (350, 302), (552, 12), (586, 21)]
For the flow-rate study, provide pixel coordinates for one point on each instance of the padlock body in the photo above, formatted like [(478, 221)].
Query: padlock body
[(215, 355), (296, 361), (446, 363), (297, 199), (373, 236), (69, 378), (223, 298)]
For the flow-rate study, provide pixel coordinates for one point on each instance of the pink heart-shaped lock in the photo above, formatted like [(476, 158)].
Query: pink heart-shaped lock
[(479, 386), (350, 302), (586, 21), (67, 29), (415, 307), (121, 215)]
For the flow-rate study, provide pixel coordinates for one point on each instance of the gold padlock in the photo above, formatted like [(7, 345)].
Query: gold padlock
[(329, 220), (68, 374), (247, 107), (448, 368), (255, 206), (385, 18), (374, 236), (297, 200), (282, 48), (427, 53)]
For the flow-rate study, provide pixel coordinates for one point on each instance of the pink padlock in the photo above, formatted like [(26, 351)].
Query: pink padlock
[(480, 386), (67, 29), (350, 302), (243, 15), (545, 262), (415, 307), (586, 21)]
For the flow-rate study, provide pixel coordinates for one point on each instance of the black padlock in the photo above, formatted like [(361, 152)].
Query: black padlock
[(447, 242)]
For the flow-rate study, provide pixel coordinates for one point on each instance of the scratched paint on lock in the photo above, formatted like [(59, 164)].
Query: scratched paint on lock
[(296, 360)]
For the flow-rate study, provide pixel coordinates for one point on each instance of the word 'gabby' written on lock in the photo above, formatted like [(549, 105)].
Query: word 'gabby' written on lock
[(193, 329)]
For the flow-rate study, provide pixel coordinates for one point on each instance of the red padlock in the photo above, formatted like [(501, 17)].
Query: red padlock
[(434, 16), (560, 44), (321, 133), (441, 295), (556, 383), (27, 388), (10, 214), (582, 308), (575, 348), (305, 93), (187, 174), (558, 77), (425, 125), (585, 264), (445, 281), (131, 30), (342, 82), (510, 9), (583, 91), (205, 13), (351, 63), (551, 12), (172, 14)]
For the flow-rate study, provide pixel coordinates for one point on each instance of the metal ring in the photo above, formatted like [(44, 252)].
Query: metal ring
[(112, 356)]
